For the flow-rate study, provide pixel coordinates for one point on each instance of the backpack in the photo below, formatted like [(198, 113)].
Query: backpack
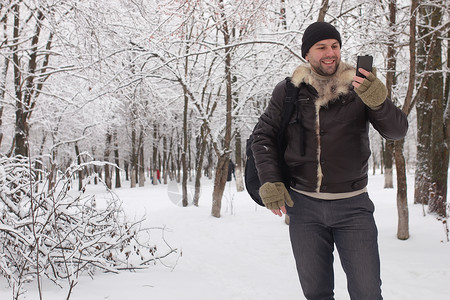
[(252, 182)]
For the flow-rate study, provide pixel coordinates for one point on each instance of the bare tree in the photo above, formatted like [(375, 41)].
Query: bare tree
[(439, 148), (30, 71), (432, 154), (402, 205)]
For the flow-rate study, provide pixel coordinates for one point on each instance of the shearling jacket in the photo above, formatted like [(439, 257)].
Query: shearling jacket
[(335, 130)]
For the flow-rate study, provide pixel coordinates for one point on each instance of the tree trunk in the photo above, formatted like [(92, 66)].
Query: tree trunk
[(323, 11), (220, 181), (223, 157), (27, 83), (108, 180), (201, 148), (422, 172), (390, 82), (132, 177), (94, 168), (424, 118), (189, 162), (402, 197), (178, 161), (126, 166), (447, 122), (185, 148), (238, 165), (165, 160), (80, 171), (21, 127), (439, 149), (116, 160), (209, 167), (388, 165), (134, 158), (141, 174), (3, 76), (397, 146), (402, 204), (154, 163)]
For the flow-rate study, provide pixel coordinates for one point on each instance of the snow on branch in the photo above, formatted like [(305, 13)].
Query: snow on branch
[(61, 233)]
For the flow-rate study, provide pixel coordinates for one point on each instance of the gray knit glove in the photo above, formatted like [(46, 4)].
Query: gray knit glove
[(372, 91), (275, 195)]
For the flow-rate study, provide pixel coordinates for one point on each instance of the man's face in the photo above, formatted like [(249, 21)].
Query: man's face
[(324, 57)]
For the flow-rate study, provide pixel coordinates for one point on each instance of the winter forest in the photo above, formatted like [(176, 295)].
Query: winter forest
[(119, 93)]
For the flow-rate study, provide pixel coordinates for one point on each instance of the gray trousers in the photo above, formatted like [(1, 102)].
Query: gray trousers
[(316, 226)]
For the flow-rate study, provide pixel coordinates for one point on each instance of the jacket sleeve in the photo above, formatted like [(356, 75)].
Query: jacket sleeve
[(389, 121), (264, 147)]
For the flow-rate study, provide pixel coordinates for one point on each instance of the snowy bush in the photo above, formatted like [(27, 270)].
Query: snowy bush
[(59, 233)]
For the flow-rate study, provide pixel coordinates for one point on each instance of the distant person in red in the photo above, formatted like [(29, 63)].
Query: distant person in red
[(158, 175)]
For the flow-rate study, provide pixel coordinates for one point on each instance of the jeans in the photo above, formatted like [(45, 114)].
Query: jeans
[(316, 226)]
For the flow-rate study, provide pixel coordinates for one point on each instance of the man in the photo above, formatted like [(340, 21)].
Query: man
[(327, 156)]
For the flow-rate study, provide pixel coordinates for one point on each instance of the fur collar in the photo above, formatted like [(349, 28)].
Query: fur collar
[(328, 87)]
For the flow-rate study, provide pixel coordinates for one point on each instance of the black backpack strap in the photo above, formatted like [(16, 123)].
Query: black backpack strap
[(289, 103), (289, 106)]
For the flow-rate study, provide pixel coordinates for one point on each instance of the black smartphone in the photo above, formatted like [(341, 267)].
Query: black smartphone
[(364, 62)]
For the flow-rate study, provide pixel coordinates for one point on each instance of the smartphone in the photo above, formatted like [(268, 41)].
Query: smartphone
[(364, 62)]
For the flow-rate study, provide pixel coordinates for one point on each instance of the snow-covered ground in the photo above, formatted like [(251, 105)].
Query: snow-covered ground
[(246, 254)]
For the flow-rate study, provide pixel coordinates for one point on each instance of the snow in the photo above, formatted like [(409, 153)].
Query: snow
[(246, 254)]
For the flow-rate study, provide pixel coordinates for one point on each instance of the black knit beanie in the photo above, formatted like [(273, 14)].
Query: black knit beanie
[(318, 31)]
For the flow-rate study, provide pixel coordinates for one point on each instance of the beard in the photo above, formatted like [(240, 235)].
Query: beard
[(323, 69)]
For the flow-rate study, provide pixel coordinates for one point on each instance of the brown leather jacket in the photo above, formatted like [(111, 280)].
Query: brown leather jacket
[(335, 124)]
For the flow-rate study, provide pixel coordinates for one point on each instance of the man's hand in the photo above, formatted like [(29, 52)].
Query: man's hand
[(370, 89), (357, 81), (279, 212), (274, 197)]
